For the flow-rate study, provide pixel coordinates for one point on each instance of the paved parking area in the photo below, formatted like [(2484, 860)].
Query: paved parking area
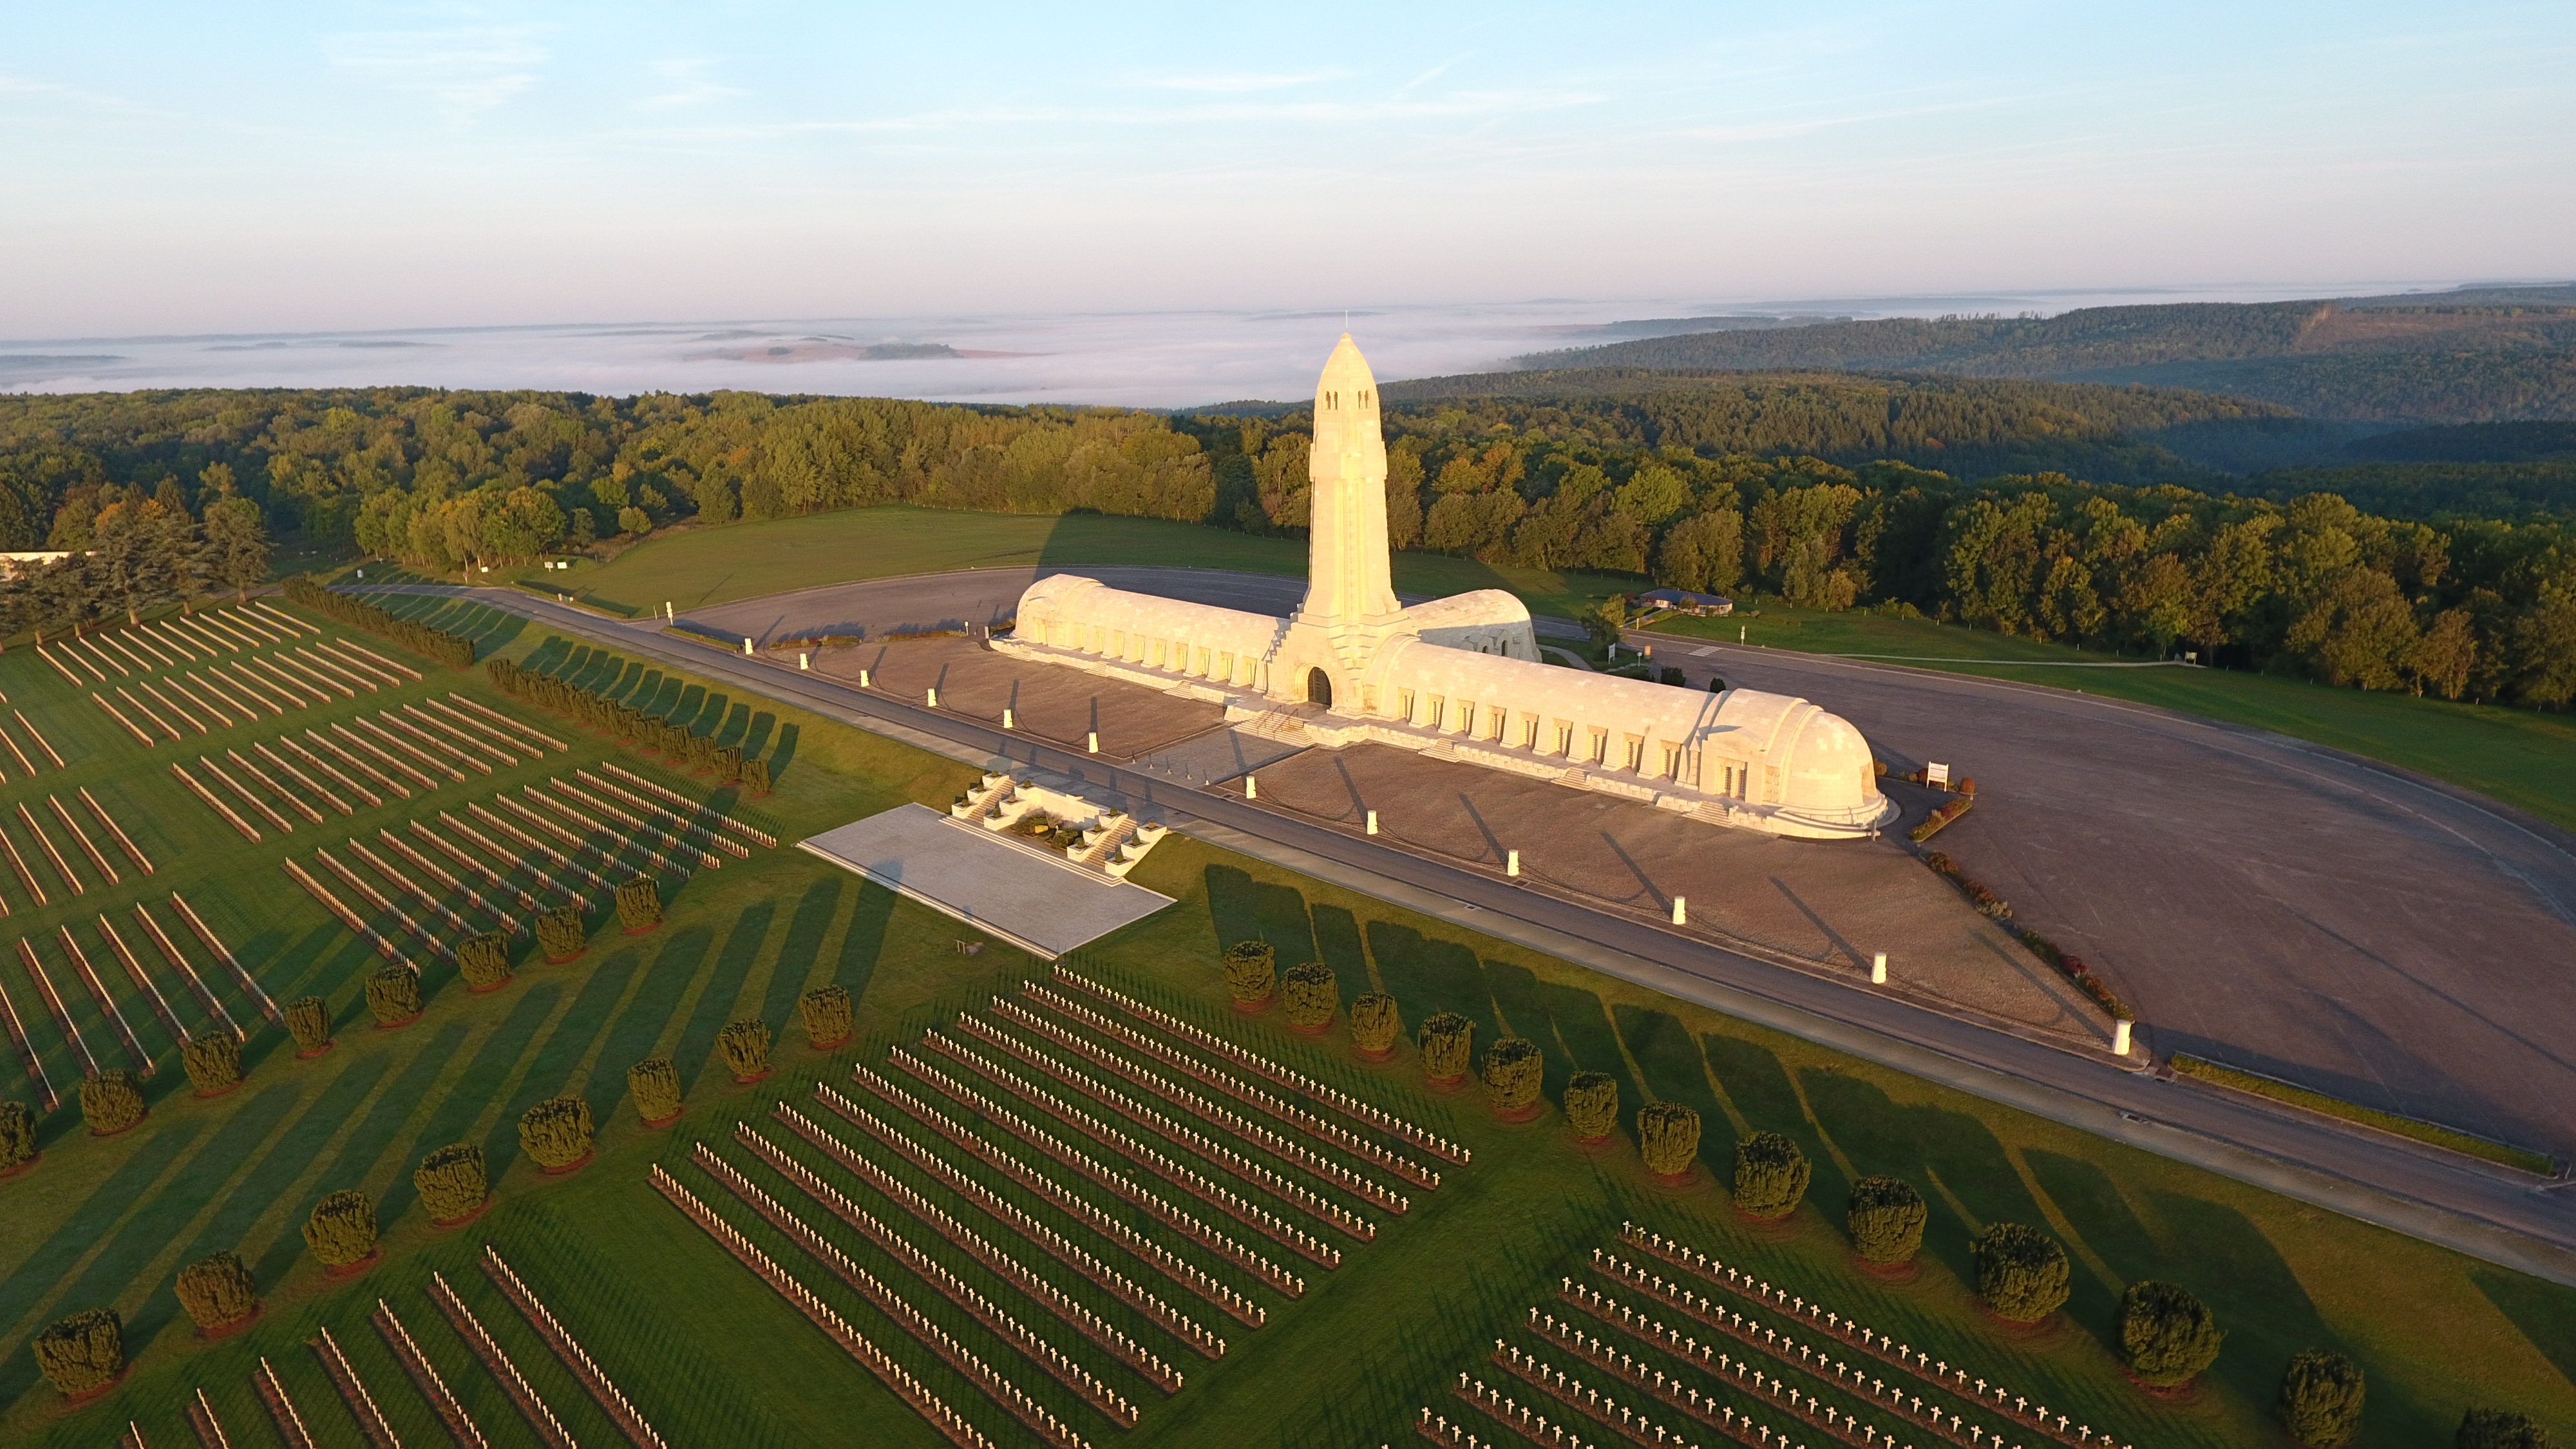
[(1060, 705)]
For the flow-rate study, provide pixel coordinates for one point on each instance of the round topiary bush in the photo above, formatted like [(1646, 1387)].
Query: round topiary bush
[(1771, 1176), (555, 1133), (218, 1292), (1375, 1024), (213, 1062), (1251, 972), (561, 934), (2166, 1335), (393, 996), (2321, 1399), (827, 1016), (656, 1085), (1667, 1138), (17, 1136), (452, 1182), (342, 1230), (1512, 1073), (308, 1020), (110, 1102), (1448, 1043), (484, 961), (639, 905), (2021, 1272), (83, 1354), (1312, 995), (1886, 1220), (745, 1048), (1592, 1105), (2499, 1429)]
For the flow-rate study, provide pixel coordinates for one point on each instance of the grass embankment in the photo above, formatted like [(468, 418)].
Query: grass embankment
[(2513, 755), (2508, 1155), (713, 1358)]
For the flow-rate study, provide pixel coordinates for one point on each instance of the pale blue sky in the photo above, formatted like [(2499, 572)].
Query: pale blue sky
[(185, 168)]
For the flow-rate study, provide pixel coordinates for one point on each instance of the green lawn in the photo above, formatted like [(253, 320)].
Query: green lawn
[(2520, 757), (713, 1358), (695, 567)]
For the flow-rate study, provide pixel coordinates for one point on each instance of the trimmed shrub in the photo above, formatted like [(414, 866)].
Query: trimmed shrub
[(213, 1061), (1511, 1073), (1251, 971), (1312, 994), (560, 933), (1771, 1175), (452, 1181), (1592, 1105), (1886, 1220), (639, 905), (1667, 1137), (110, 1102), (2166, 1335), (556, 1131), (755, 776), (2499, 1429), (2321, 1399), (84, 1353), (1375, 1023), (728, 764), (342, 1229), (218, 1291), (484, 961), (393, 995), (1448, 1044), (2021, 1272), (17, 1135), (745, 1048), (655, 1081), (308, 1020), (827, 1015)]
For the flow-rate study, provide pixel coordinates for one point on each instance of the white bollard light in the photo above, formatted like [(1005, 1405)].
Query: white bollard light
[(2120, 1038), (1740, 631), (1251, 788), (934, 697), (1511, 862), (1006, 717), (863, 679), (746, 646), (667, 615), (1878, 969), (804, 660), (1095, 742), (1681, 915), (1372, 822)]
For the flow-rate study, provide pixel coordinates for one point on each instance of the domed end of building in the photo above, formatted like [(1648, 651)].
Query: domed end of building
[(1829, 778)]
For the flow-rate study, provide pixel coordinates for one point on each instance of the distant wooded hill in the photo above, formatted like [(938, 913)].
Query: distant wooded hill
[(2492, 354)]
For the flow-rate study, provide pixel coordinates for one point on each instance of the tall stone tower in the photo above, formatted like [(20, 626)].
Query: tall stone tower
[(1349, 598)]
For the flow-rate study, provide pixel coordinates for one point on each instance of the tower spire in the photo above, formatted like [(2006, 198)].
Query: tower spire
[(1348, 584)]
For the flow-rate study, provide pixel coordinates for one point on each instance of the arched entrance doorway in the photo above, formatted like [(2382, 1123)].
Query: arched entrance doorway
[(1319, 688)]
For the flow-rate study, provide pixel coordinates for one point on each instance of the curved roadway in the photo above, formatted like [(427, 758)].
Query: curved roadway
[(2459, 1202)]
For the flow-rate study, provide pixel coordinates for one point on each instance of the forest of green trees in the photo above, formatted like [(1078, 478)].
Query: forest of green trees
[(1720, 490)]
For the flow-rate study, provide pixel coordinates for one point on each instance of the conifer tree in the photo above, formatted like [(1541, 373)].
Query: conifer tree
[(639, 905), (1592, 1105), (561, 934), (555, 1133), (484, 961), (2321, 1398), (1886, 1220), (1375, 1024), (1311, 996), (2022, 1273), (111, 1102), (308, 1020), (1771, 1176), (655, 1081), (213, 1062), (1251, 971), (17, 1135), (82, 1354), (452, 1182), (1512, 1073), (218, 1292), (745, 1047), (1667, 1138), (393, 995), (827, 1015), (1448, 1044), (342, 1229)]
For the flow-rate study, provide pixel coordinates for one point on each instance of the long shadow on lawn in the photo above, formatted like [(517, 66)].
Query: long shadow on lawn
[(2545, 1315), (1675, 1072), (234, 1141), (807, 925), (474, 1088), (366, 1143), (1244, 909), (724, 987), (1428, 975), (1920, 1144)]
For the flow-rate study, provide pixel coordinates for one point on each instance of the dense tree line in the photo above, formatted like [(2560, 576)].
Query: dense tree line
[(1715, 486), (127, 550)]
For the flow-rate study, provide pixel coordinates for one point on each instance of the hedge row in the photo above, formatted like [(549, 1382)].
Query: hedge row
[(438, 644), (630, 725)]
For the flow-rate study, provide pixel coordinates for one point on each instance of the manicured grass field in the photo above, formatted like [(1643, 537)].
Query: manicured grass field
[(697, 567), (712, 1357), (2518, 756)]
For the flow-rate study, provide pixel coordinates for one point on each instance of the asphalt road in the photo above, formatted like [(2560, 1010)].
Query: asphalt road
[(2460, 1203)]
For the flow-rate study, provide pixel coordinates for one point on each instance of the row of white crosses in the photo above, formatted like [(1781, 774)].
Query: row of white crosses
[(1170, 1169), (1532, 1425), (1584, 1399), (874, 1359), (1002, 1265), (1305, 1121), (1958, 1380), (1670, 1388), (1296, 1081), (1188, 1225), (1208, 1108), (1179, 1269), (748, 831), (1001, 1210), (665, 818), (569, 1349), (1198, 1142)]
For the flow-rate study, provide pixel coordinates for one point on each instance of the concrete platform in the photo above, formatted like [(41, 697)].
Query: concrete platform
[(1040, 904)]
